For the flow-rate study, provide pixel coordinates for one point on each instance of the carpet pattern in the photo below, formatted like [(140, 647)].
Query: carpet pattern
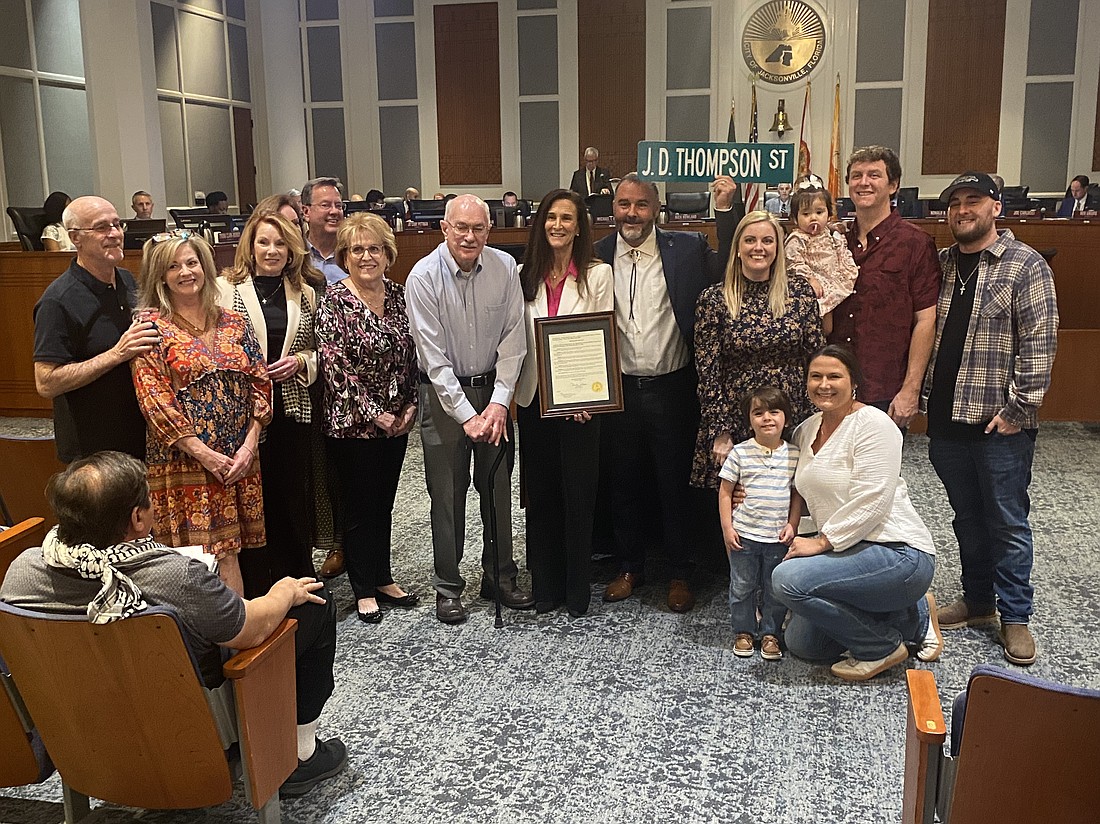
[(636, 714)]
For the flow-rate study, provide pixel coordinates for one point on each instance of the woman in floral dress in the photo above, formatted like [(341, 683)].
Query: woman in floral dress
[(205, 394), (368, 363), (757, 328)]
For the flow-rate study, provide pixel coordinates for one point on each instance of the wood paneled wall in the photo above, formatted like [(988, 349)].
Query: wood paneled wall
[(1096, 132), (962, 98), (467, 93), (611, 63)]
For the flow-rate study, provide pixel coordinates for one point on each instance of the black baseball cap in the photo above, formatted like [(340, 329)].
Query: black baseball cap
[(971, 180)]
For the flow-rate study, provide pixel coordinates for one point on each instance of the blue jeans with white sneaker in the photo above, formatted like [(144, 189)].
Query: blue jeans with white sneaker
[(867, 599), (751, 572)]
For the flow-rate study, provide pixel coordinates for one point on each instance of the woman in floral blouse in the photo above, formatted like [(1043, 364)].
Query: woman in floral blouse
[(757, 328), (368, 363), (205, 394)]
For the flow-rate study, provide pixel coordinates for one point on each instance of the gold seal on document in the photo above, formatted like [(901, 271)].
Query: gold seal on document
[(597, 386), (783, 41)]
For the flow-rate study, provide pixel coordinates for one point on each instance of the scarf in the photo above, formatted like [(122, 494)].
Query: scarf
[(120, 597)]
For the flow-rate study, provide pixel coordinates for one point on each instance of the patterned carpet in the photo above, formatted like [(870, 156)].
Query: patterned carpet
[(635, 714)]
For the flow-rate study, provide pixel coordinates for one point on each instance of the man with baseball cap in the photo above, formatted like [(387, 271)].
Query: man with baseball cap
[(996, 334)]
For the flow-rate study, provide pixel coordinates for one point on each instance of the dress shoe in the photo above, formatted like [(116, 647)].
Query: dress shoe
[(373, 616), (406, 601), (931, 646), (680, 596), (623, 586), (511, 596), (334, 564), (449, 610), (543, 607), (852, 670), (1018, 643), (957, 615)]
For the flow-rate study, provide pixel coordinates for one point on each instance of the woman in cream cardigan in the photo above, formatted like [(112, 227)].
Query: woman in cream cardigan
[(269, 283), (559, 456)]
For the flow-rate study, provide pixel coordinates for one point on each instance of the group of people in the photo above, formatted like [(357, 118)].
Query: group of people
[(288, 385)]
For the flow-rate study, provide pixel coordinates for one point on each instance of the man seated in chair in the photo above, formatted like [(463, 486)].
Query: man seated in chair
[(101, 559)]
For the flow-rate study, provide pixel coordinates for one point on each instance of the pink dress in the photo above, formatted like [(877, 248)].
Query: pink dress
[(824, 256)]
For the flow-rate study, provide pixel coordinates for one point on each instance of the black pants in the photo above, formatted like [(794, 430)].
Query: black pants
[(559, 459), (314, 652), (652, 442), (368, 470)]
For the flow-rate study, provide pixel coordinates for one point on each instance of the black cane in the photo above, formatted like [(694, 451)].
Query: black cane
[(493, 533)]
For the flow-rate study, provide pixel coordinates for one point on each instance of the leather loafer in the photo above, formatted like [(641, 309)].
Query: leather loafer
[(680, 596), (406, 601), (333, 565), (511, 596), (374, 616), (623, 586), (449, 610)]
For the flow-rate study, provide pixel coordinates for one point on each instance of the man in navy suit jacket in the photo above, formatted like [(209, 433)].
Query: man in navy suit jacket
[(658, 278), (1076, 199)]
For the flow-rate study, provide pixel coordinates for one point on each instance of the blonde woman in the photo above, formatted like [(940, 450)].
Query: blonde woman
[(756, 328), (269, 283), (205, 394)]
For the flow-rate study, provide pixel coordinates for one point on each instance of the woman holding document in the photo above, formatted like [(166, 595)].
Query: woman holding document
[(559, 457)]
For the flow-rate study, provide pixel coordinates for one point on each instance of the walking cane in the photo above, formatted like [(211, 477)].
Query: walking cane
[(493, 532)]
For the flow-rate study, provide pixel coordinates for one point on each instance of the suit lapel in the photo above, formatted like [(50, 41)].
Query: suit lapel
[(293, 318), (569, 297), (247, 291)]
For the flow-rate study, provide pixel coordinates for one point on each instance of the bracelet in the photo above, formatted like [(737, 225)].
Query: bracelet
[(250, 452), (301, 361)]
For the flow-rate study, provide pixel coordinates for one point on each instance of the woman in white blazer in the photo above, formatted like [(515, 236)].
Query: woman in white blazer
[(270, 284), (559, 457)]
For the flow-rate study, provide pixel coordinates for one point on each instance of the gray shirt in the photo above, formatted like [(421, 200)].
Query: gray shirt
[(326, 265), (467, 324), (210, 611)]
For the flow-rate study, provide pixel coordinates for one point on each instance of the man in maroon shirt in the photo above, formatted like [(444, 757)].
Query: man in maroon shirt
[(890, 319)]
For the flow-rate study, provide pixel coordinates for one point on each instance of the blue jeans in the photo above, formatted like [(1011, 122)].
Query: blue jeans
[(866, 599), (751, 572), (986, 482)]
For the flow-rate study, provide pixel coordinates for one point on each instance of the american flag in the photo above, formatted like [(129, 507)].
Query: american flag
[(753, 191)]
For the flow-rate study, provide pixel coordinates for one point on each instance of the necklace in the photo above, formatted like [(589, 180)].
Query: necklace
[(265, 299), (374, 306), (190, 327), (965, 281)]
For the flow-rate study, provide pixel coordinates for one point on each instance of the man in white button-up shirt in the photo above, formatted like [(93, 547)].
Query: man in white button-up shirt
[(658, 278)]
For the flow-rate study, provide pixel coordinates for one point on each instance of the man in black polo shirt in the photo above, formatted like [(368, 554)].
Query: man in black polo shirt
[(84, 340)]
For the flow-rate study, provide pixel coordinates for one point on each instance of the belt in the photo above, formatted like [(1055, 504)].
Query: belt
[(656, 381), (484, 379)]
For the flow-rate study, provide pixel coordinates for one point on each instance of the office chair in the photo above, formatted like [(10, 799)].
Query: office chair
[(694, 204), (29, 221)]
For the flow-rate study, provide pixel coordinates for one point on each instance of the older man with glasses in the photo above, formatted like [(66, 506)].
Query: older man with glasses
[(465, 307), (85, 337), (323, 209)]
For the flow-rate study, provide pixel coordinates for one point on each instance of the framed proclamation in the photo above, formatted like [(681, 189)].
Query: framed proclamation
[(578, 364)]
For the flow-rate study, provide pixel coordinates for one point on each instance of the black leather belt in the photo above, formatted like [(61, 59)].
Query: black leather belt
[(484, 379), (657, 381)]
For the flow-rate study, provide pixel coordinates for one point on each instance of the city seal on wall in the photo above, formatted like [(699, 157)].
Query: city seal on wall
[(783, 41)]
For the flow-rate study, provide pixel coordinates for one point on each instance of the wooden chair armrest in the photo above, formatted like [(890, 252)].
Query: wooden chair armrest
[(23, 535), (244, 661), (267, 712), (925, 731)]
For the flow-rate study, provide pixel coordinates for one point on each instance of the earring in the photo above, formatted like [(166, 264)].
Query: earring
[(853, 394)]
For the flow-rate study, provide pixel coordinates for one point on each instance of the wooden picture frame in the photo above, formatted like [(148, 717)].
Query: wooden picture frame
[(578, 364)]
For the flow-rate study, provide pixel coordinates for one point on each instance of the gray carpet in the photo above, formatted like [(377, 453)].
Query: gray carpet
[(635, 714)]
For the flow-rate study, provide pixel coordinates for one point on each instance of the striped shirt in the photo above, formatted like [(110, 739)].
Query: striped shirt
[(766, 475), (1011, 338)]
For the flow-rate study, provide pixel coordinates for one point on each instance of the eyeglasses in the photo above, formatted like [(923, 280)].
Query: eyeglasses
[(373, 250), (101, 228), (176, 234), (463, 229)]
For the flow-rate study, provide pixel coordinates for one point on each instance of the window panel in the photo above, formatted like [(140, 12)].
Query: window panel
[(688, 56), (57, 36), (238, 63), (538, 54), (1047, 111), (15, 47), (880, 50), (164, 47), (1052, 40), (538, 147), (176, 192), (393, 8), (68, 143), (878, 118), (322, 10), (210, 149), (202, 42), (399, 130), (330, 156), (20, 135), (326, 81), (396, 54)]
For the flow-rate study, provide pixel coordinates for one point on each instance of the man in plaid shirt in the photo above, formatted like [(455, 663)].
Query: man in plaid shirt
[(996, 333)]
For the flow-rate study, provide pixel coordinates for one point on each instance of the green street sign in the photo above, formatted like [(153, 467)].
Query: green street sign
[(677, 162)]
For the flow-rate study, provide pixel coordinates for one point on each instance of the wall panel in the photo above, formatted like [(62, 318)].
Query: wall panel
[(962, 98), (612, 95), (467, 89)]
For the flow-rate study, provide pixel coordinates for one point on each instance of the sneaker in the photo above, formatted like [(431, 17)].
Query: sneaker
[(957, 616), (769, 648), (852, 670), (327, 760), (931, 646), (743, 645), (1018, 643)]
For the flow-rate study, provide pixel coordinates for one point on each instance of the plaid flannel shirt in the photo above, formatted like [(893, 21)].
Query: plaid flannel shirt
[(1011, 337)]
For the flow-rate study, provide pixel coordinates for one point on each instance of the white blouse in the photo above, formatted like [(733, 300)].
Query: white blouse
[(853, 485)]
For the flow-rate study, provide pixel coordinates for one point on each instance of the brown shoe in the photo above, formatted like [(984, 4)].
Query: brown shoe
[(623, 586), (333, 565), (680, 596), (957, 615), (1018, 643), (770, 649)]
